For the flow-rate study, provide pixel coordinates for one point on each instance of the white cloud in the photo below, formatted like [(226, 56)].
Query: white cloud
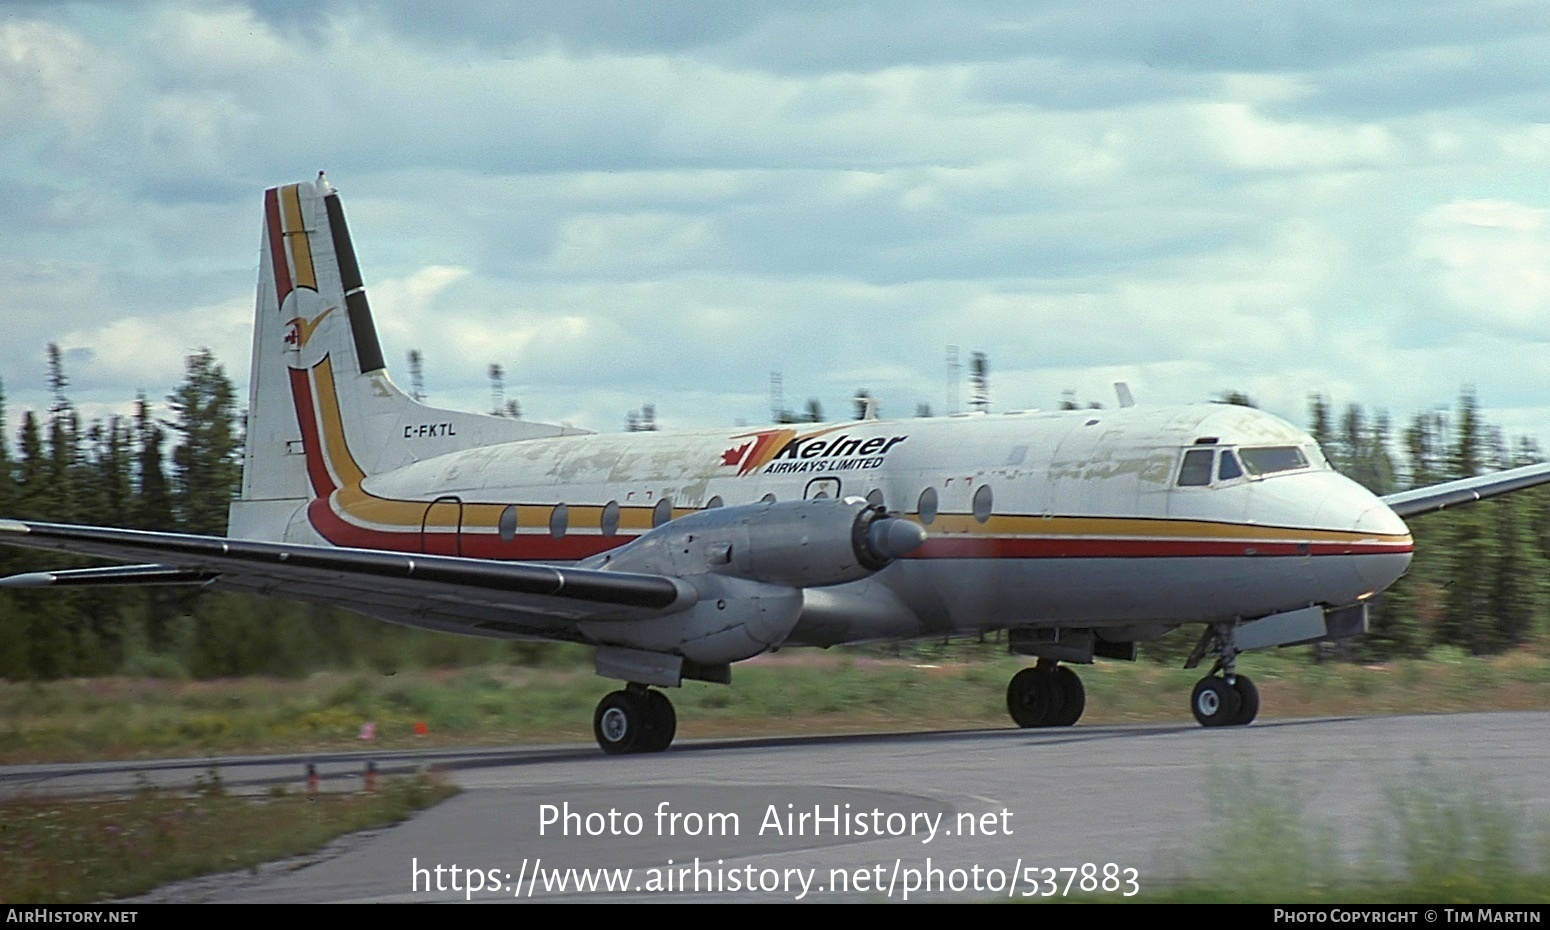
[(666, 214), (220, 41), (1490, 260), (144, 350), (1247, 139), (51, 76)]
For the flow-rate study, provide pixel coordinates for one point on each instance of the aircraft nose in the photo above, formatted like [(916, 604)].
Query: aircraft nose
[(1375, 535), (1388, 530), (1379, 520), (1348, 507)]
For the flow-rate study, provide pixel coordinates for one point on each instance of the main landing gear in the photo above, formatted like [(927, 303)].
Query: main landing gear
[(1046, 695), (636, 719), (1223, 698)]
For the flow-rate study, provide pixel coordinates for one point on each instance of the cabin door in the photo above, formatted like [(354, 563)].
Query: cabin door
[(822, 488), (441, 529)]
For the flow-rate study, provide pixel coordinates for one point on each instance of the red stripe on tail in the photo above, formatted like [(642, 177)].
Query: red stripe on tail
[(282, 269)]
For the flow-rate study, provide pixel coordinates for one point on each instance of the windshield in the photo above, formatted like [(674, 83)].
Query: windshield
[(1269, 460)]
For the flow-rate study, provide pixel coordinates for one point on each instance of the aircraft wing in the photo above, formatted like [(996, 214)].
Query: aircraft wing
[(450, 593), (1467, 490)]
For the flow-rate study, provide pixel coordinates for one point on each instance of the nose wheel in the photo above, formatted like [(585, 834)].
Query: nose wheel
[(634, 720), (1218, 702), (1223, 698)]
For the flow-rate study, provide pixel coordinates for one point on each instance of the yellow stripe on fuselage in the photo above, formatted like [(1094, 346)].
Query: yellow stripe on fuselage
[(1138, 528), (360, 507)]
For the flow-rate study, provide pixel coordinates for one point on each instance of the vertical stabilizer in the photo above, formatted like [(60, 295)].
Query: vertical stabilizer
[(322, 412)]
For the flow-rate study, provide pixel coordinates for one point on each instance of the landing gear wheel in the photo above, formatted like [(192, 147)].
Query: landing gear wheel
[(1073, 697), (1214, 702), (1032, 697), (620, 722), (1248, 701), (662, 722)]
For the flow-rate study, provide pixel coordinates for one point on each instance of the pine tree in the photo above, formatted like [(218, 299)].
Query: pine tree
[(979, 382), (206, 465), (32, 493), (153, 509), (1318, 421), (7, 467), (1473, 548)]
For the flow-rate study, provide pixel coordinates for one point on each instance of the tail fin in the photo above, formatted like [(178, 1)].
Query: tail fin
[(322, 412)]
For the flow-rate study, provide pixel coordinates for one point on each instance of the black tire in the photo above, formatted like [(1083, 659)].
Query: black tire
[(1214, 702), (661, 722), (620, 723), (1073, 697), (1033, 698), (1248, 701)]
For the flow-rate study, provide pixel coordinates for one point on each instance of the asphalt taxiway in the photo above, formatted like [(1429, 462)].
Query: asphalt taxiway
[(972, 815)]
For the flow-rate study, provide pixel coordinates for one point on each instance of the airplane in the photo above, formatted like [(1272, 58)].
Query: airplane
[(676, 555)]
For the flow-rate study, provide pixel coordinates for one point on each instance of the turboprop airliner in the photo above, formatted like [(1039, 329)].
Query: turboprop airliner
[(677, 555)]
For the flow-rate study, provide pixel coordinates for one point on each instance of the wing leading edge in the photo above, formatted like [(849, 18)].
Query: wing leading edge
[(439, 592), (1467, 490)]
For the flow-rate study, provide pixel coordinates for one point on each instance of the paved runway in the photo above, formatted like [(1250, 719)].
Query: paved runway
[(937, 816)]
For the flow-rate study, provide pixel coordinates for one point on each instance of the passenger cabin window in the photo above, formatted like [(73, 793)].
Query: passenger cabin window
[(1270, 460), (983, 503), (1196, 470), (926, 506), (1227, 468)]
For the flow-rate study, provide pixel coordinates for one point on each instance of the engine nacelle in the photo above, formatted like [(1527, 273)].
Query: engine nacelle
[(800, 544), (734, 619)]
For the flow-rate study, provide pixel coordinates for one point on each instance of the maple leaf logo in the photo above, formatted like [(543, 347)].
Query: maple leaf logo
[(735, 454), (300, 329)]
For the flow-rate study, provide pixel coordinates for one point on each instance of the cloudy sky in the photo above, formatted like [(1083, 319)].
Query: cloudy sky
[(627, 202)]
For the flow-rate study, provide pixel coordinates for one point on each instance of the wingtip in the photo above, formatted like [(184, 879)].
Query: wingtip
[(15, 527), (27, 580)]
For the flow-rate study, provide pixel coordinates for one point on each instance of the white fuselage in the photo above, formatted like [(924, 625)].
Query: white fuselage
[(1073, 518)]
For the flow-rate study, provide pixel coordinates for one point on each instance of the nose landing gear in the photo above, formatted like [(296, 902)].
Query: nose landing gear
[(1223, 698)]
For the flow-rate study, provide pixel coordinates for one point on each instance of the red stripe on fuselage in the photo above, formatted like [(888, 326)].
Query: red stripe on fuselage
[(1003, 547), (545, 548), (523, 548)]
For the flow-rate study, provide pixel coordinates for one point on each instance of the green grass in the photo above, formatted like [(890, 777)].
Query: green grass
[(795, 692), (73, 851), (1440, 837)]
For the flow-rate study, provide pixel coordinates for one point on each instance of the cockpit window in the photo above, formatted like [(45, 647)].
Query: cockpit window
[(1227, 467), (1269, 460), (1196, 470)]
